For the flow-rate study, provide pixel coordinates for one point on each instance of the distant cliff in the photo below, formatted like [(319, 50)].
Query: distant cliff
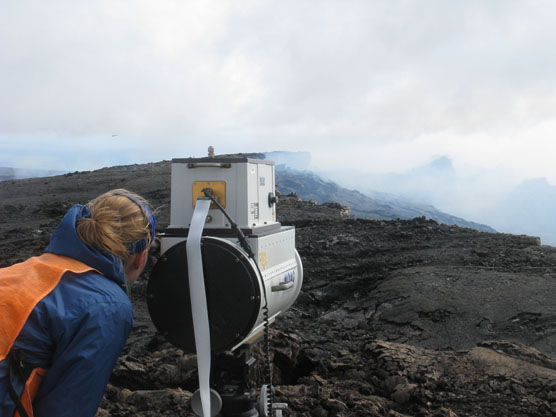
[(7, 173)]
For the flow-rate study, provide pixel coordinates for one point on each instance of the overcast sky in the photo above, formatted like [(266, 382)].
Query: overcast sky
[(363, 85)]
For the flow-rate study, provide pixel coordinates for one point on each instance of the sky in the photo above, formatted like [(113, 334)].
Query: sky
[(365, 86)]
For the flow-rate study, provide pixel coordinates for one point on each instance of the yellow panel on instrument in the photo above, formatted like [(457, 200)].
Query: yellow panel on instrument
[(218, 191), (263, 259)]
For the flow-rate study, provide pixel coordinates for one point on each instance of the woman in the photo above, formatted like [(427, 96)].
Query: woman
[(65, 316)]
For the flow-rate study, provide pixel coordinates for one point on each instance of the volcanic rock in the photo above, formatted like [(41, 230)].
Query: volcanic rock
[(396, 318)]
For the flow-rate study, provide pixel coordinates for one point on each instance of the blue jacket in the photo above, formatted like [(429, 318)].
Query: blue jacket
[(76, 332)]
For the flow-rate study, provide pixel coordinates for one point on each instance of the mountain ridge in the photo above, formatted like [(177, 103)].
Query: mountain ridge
[(311, 186)]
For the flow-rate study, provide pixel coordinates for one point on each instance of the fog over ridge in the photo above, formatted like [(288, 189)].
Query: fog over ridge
[(490, 197)]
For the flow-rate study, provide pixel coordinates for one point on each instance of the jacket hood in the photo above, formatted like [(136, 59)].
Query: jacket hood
[(66, 242)]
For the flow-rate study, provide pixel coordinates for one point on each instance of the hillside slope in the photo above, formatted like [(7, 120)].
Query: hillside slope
[(310, 186)]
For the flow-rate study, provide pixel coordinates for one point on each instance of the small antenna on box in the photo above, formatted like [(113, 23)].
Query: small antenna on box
[(211, 151)]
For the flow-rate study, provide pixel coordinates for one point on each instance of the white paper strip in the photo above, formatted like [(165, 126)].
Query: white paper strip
[(199, 301)]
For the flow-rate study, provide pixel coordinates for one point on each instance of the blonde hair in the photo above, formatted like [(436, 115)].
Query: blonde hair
[(118, 219)]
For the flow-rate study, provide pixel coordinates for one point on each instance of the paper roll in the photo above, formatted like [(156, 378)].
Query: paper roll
[(198, 296)]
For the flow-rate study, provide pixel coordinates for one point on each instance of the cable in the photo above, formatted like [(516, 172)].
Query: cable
[(242, 239), (266, 321)]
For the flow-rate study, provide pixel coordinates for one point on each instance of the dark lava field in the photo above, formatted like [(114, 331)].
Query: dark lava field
[(396, 318)]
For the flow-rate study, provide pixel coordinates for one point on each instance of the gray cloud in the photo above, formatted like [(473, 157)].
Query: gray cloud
[(167, 77)]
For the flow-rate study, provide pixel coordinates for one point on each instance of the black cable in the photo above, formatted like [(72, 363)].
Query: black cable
[(242, 239)]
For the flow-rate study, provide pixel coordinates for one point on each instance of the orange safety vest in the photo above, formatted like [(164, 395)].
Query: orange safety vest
[(22, 286)]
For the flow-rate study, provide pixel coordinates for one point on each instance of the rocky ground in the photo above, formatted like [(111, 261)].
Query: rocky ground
[(396, 318)]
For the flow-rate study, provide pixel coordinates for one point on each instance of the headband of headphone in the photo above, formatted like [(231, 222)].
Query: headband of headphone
[(141, 245)]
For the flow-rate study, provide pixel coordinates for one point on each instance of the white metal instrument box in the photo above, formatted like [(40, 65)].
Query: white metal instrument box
[(244, 186)]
